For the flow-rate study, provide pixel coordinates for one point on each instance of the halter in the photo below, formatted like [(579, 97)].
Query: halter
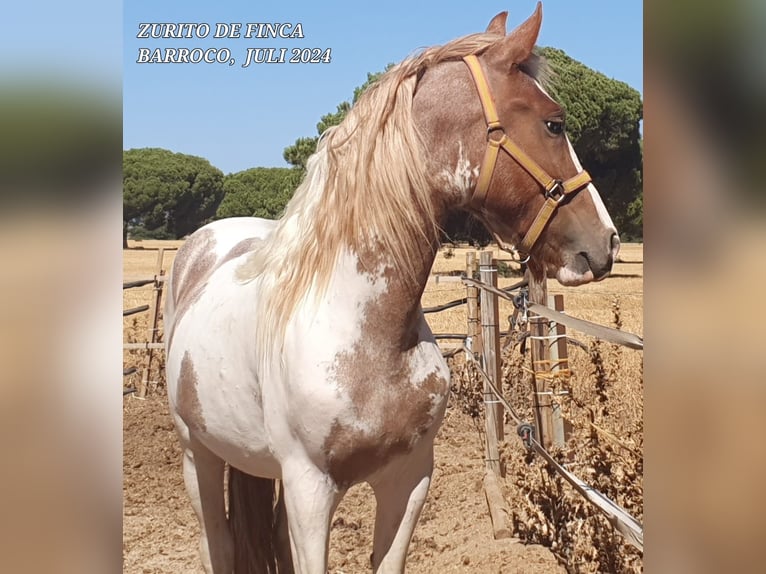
[(555, 189)]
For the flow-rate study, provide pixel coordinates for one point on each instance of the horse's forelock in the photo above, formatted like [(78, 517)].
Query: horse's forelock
[(537, 67)]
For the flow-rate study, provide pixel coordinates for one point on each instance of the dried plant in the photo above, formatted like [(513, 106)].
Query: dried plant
[(605, 449)]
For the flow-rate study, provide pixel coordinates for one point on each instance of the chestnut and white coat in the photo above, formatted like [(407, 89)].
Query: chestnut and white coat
[(297, 349)]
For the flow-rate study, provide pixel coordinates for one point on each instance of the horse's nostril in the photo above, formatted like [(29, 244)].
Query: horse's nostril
[(615, 245)]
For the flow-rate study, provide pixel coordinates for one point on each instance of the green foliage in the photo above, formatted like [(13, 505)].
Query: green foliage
[(140, 232), (171, 194), (298, 154), (260, 192), (505, 270), (636, 212), (603, 119)]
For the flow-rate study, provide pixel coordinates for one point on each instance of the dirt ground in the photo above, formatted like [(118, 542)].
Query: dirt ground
[(160, 532)]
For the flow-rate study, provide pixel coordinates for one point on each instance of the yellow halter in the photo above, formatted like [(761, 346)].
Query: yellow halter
[(555, 189)]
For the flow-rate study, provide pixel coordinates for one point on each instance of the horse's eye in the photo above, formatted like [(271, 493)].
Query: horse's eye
[(556, 127)]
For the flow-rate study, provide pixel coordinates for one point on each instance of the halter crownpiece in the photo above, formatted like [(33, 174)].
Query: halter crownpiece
[(555, 189)]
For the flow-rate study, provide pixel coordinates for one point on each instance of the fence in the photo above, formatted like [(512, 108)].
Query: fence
[(153, 308), (481, 344), (548, 345)]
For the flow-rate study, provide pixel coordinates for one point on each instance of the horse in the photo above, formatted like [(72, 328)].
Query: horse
[(298, 356)]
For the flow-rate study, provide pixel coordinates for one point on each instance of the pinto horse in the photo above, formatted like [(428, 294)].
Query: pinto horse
[(297, 350)]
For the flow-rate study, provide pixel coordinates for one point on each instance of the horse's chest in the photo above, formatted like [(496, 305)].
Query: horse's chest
[(392, 405)]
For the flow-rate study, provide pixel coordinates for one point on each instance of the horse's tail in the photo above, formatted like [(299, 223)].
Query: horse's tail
[(258, 526)]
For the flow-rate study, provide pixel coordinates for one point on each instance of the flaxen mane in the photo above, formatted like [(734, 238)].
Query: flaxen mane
[(365, 188)]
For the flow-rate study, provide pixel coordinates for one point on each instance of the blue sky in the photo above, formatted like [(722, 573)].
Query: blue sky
[(244, 117)]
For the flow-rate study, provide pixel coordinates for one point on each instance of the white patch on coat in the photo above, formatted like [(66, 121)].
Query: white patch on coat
[(228, 390), (229, 232), (317, 335), (463, 179), (426, 361), (426, 358), (603, 214)]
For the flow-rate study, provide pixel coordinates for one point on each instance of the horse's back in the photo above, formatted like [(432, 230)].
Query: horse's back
[(206, 250)]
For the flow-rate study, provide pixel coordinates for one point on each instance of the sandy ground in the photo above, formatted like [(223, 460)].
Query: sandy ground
[(160, 532)]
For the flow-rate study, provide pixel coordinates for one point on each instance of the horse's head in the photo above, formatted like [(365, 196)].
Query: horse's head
[(529, 188)]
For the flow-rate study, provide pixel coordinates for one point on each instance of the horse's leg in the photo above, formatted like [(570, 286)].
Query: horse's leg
[(400, 492), (311, 498), (203, 476), (284, 557)]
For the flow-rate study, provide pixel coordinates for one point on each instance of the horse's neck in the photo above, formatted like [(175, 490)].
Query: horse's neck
[(391, 315), (396, 312)]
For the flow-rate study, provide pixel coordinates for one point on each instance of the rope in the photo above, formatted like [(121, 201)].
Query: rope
[(451, 353), (547, 337), (135, 310), (139, 283), (492, 386), (450, 305)]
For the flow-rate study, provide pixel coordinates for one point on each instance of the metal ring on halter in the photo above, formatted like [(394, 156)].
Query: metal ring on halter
[(557, 187), (518, 258), (495, 128), (514, 253)]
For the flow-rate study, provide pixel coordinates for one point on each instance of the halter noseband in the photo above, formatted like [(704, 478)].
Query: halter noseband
[(555, 189)]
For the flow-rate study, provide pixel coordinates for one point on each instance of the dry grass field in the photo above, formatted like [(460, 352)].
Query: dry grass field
[(554, 529)]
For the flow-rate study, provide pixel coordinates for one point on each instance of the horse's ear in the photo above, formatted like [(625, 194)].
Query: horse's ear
[(517, 46), (497, 24)]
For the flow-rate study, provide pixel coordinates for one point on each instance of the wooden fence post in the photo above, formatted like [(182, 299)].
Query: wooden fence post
[(559, 364), (491, 358), (472, 300), (153, 320), (493, 410), (539, 330)]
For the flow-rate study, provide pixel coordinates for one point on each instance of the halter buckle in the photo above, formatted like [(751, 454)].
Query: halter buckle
[(556, 191)]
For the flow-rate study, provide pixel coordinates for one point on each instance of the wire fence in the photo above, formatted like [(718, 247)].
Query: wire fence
[(624, 523), (479, 336)]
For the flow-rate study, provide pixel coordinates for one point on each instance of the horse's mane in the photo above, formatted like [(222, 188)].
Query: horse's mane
[(365, 188)]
